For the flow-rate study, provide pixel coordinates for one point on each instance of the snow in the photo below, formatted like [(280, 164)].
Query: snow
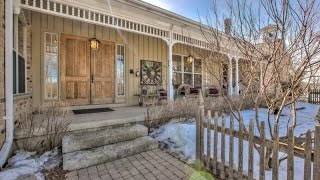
[(24, 162), (181, 137)]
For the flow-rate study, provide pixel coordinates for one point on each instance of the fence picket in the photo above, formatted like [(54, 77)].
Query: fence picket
[(262, 152), (307, 160), (240, 149), (198, 139), (250, 155), (290, 164), (208, 139), (231, 149), (215, 149), (275, 153), (219, 168), (222, 149), (316, 161), (202, 133)]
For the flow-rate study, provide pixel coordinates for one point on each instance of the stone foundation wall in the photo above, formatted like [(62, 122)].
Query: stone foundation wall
[(22, 103)]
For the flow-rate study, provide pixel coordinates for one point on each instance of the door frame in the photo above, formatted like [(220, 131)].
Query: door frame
[(61, 91)]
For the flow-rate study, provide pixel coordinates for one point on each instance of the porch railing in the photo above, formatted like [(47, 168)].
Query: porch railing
[(78, 12), (314, 96), (217, 135)]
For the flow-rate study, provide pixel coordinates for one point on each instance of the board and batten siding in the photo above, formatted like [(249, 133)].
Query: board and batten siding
[(137, 47)]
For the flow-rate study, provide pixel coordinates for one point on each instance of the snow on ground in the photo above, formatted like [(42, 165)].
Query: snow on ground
[(24, 162), (181, 137)]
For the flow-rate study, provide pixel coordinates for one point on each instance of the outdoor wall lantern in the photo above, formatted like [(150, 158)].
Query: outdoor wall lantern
[(189, 59), (94, 43)]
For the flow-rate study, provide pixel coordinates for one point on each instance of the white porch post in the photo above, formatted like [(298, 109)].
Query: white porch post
[(170, 66), (237, 78), (261, 76), (230, 86)]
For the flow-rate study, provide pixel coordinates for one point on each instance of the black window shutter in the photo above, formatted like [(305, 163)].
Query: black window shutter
[(22, 78), (14, 73)]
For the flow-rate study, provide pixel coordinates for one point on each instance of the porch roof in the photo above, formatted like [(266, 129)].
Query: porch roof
[(137, 17)]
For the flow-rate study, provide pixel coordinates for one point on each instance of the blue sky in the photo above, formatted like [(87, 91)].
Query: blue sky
[(193, 9)]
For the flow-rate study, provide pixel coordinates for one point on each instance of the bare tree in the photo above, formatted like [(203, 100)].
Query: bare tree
[(278, 43)]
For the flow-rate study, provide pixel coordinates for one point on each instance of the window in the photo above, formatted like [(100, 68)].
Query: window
[(51, 66), (19, 73), (186, 73), (120, 70)]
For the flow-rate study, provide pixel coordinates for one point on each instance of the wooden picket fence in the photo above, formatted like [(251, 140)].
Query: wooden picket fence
[(314, 96), (218, 167)]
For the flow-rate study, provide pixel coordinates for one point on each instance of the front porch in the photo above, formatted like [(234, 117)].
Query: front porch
[(120, 116)]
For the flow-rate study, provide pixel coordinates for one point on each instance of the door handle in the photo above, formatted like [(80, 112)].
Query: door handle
[(92, 78)]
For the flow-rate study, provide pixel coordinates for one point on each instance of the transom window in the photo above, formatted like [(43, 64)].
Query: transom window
[(51, 66), (186, 73)]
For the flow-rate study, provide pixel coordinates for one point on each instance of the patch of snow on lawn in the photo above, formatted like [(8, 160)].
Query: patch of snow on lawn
[(181, 137), (24, 162)]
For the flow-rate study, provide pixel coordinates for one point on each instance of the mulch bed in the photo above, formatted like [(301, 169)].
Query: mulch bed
[(56, 174)]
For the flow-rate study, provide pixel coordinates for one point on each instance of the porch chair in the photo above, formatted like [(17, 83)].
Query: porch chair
[(212, 91), (183, 90), (162, 94)]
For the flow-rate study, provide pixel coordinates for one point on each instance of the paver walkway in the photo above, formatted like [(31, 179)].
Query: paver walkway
[(155, 164)]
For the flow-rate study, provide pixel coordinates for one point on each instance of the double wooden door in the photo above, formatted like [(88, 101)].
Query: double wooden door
[(87, 76)]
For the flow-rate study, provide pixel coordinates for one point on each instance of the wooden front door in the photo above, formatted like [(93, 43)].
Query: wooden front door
[(102, 73), (86, 75)]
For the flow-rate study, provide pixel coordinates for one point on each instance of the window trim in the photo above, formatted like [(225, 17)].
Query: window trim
[(44, 67), (183, 72), (17, 93), (124, 71)]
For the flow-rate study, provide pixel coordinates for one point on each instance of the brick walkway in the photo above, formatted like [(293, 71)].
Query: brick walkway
[(155, 164)]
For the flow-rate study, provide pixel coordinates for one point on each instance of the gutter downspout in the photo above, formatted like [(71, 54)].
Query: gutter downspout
[(5, 150)]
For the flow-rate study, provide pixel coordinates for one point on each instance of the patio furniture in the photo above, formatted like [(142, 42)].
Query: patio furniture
[(183, 90), (162, 95), (148, 95), (212, 91)]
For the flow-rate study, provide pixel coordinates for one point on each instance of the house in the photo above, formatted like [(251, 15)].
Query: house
[(95, 53)]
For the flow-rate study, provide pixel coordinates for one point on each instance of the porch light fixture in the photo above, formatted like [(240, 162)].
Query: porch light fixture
[(189, 59), (94, 43)]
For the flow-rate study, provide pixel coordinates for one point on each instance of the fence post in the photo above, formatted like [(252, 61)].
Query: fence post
[(199, 127), (250, 153), (231, 148), (222, 148), (262, 152), (208, 139), (275, 153), (215, 143), (240, 150), (316, 160), (290, 164), (307, 152)]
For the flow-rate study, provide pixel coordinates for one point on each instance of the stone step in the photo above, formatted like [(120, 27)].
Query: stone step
[(90, 139), (86, 158)]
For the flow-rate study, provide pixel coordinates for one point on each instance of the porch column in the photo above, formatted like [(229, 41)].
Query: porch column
[(237, 78), (230, 86), (170, 66), (261, 76)]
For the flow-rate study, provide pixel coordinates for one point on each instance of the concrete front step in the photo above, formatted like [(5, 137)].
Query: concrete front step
[(111, 152), (90, 139)]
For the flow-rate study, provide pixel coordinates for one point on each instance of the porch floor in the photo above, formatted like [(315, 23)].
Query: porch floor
[(120, 115), (155, 164)]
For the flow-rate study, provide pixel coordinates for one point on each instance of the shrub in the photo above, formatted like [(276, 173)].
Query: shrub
[(44, 129), (182, 109)]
